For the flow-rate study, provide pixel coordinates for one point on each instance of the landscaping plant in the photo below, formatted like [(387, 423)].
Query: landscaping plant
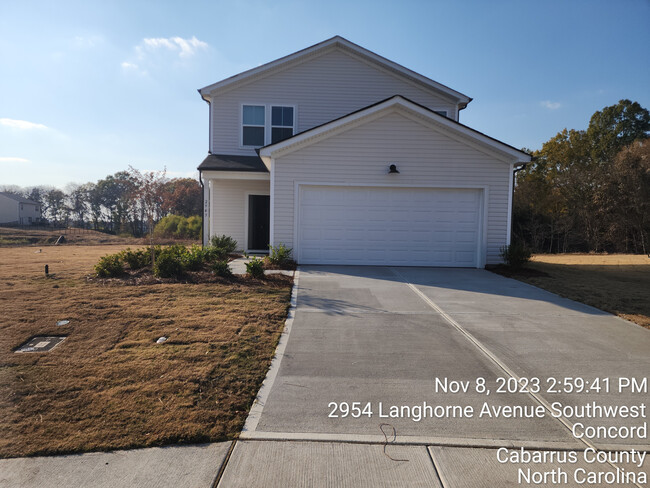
[(223, 242), (279, 255), (109, 266), (222, 269), (255, 268), (516, 255)]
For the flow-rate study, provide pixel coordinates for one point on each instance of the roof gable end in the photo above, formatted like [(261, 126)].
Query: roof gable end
[(407, 107), (336, 42)]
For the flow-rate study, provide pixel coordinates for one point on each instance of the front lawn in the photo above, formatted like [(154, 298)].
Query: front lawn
[(109, 385), (616, 283)]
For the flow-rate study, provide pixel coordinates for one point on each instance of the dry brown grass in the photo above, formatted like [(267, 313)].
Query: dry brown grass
[(616, 283), (108, 385)]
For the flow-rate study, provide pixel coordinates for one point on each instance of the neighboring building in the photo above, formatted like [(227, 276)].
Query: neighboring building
[(349, 158), (18, 210)]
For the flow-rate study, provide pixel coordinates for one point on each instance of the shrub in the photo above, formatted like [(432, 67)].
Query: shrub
[(226, 243), (213, 254), (109, 266), (255, 268), (515, 255), (137, 259), (279, 254), (194, 258), (177, 226), (222, 269), (170, 262)]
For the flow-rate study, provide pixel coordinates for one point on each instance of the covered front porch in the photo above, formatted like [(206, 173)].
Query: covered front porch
[(236, 201)]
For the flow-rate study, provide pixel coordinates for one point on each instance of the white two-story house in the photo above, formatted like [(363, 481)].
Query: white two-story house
[(15, 209), (349, 158)]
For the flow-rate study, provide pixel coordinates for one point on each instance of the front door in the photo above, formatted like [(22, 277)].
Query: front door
[(258, 222)]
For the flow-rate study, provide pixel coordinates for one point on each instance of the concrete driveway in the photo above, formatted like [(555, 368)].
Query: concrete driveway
[(383, 335)]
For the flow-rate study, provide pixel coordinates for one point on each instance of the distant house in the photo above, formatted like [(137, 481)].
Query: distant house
[(350, 158), (15, 209)]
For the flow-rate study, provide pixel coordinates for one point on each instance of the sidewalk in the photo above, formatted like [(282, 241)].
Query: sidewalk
[(156, 467)]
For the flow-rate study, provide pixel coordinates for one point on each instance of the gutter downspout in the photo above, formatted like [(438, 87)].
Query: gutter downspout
[(203, 211), (512, 209), (200, 178)]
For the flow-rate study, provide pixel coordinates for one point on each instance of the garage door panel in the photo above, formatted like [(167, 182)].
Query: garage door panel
[(391, 226)]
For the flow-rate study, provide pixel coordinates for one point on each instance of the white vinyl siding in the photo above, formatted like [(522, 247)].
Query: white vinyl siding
[(8, 210), (228, 206), (425, 158), (324, 88)]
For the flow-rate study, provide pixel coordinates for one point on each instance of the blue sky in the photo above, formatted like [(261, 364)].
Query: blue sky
[(88, 88)]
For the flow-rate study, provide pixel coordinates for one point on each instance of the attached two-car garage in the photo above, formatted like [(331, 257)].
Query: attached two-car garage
[(405, 226), (445, 202)]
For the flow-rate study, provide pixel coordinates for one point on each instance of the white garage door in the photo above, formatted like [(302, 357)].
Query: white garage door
[(388, 226)]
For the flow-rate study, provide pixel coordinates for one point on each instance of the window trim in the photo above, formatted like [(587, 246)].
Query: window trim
[(292, 127), (268, 127), (241, 123), (444, 113)]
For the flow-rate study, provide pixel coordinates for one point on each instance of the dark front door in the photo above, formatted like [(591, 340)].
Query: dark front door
[(258, 222)]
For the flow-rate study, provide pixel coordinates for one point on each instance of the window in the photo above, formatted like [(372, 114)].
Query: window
[(441, 112), (281, 123), (253, 125)]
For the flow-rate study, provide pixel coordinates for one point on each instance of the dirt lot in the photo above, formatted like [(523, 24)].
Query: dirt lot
[(617, 283), (109, 385)]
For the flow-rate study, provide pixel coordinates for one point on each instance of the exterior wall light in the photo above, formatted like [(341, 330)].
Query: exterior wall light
[(393, 169)]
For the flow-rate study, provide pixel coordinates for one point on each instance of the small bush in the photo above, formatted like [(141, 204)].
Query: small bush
[(138, 259), (194, 258), (222, 269), (255, 268), (177, 226), (109, 266), (214, 254), (226, 243), (279, 254), (170, 262), (516, 255)]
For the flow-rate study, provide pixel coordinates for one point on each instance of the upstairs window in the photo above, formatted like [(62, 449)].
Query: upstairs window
[(281, 123), (441, 112), (253, 125)]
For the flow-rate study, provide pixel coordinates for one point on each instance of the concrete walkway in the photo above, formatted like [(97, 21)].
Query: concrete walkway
[(174, 466), (238, 267)]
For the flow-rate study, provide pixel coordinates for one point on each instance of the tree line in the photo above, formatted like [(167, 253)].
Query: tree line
[(127, 202), (589, 190)]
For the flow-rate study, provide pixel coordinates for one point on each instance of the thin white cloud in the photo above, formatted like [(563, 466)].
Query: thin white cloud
[(22, 124), (550, 105), (184, 47), (10, 159), (87, 42), (127, 65)]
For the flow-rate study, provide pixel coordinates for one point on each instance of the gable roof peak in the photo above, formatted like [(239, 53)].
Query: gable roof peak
[(342, 43)]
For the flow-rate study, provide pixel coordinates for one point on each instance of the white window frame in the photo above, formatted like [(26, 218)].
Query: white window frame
[(293, 127), (268, 107), (444, 113), (241, 123)]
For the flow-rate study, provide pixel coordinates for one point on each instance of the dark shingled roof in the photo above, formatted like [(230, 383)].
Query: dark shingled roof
[(228, 162)]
